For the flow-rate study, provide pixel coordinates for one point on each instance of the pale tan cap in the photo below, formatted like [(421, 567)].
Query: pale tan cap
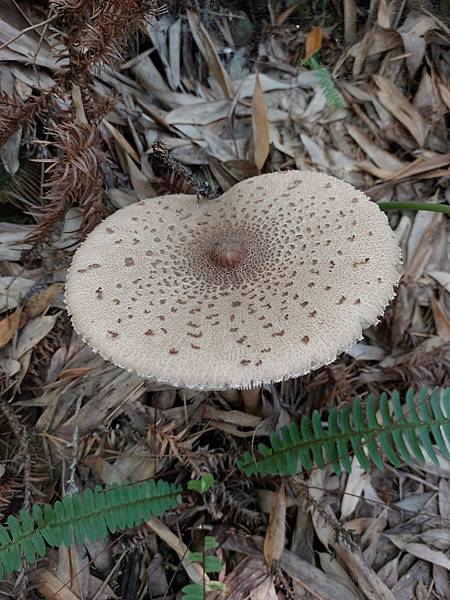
[(272, 280)]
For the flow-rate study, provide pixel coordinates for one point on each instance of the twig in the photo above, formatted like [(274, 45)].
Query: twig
[(77, 103), (349, 21), (26, 30), (72, 487)]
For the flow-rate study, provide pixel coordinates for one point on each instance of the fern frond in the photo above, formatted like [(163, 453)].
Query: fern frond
[(392, 434), (323, 76), (73, 179), (87, 515), (16, 113)]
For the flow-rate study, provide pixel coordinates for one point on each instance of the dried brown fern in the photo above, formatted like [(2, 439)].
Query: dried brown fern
[(73, 178), (15, 113), (97, 31), (95, 34)]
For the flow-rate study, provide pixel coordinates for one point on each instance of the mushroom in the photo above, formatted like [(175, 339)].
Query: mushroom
[(272, 280)]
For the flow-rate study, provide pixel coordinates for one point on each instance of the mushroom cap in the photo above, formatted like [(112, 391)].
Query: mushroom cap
[(272, 280)]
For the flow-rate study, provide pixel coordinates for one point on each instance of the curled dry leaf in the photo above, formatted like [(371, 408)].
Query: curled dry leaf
[(276, 532)]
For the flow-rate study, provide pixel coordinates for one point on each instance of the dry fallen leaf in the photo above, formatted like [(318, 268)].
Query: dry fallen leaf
[(33, 332), (383, 159), (74, 373), (276, 531), (441, 319), (260, 126), (313, 42), (13, 290), (399, 106), (383, 16), (264, 591), (72, 567), (194, 570), (121, 140), (319, 584), (445, 94), (9, 326), (356, 482), (199, 114), (40, 300), (209, 52), (282, 17), (13, 240), (139, 181), (53, 588), (422, 551)]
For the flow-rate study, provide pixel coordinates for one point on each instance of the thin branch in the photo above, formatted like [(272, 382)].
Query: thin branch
[(26, 30)]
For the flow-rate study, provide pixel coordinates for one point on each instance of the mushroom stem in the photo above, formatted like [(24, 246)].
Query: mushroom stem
[(252, 401)]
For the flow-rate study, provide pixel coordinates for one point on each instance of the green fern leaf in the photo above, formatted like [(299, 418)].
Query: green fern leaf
[(392, 433), (88, 515)]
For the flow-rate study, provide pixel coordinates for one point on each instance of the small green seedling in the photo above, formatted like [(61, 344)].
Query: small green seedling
[(201, 485), (210, 564)]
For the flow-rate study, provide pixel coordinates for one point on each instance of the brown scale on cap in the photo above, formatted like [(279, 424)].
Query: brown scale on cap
[(248, 288)]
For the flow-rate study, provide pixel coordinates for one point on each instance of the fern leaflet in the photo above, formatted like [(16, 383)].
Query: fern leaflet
[(394, 435), (89, 514)]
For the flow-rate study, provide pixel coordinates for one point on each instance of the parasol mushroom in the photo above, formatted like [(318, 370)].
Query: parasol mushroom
[(272, 280)]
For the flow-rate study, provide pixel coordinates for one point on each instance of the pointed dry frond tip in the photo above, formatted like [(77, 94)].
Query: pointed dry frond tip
[(271, 280)]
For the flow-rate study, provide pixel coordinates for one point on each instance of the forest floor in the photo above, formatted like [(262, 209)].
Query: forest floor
[(362, 95)]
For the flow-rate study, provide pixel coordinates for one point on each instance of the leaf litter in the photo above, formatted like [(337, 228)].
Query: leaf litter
[(228, 90)]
